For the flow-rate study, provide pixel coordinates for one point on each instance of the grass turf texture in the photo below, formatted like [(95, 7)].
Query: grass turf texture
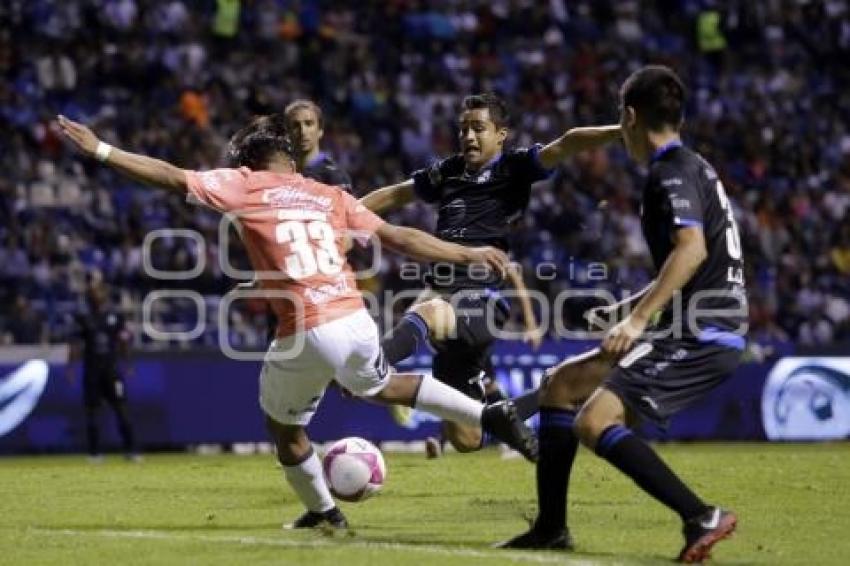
[(793, 502)]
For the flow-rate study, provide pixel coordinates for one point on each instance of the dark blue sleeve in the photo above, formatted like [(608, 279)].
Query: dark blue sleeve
[(341, 179), (528, 162), (428, 182)]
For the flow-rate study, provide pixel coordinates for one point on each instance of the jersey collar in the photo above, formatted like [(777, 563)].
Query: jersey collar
[(670, 145), (486, 166), (316, 160)]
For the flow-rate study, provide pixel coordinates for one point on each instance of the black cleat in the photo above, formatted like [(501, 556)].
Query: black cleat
[(535, 539), (332, 518), (501, 420), (703, 532)]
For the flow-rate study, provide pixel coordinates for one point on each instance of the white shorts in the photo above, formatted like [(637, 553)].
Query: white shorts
[(297, 368)]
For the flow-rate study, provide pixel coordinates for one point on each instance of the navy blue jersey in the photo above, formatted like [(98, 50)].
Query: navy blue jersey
[(477, 208), (684, 190), (325, 170), (102, 334)]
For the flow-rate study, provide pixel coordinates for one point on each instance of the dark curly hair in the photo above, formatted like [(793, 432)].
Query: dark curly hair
[(255, 145)]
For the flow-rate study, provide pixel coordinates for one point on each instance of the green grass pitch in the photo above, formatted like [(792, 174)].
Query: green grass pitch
[(793, 502)]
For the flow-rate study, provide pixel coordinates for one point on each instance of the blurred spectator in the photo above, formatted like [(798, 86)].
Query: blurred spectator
[(840, 252), (769, 107), (25, 326)]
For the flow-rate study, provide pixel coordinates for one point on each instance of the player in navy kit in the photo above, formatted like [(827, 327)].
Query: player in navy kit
[(693, 239), (479, 193), (305, 125)]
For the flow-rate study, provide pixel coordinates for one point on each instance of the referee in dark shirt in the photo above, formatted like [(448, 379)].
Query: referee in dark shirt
[(102, 341)]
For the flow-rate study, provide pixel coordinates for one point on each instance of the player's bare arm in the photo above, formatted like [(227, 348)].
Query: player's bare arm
[(688, 254), (533, 333), (576, 140), (605, 316), (144, 169), (385, 199), (425, 247)]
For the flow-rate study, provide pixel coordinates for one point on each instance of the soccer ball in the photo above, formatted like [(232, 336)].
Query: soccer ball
[(354, 469)]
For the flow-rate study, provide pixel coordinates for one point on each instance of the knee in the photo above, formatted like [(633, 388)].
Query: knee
[(400, 390), (439, 316), (558, 390), (589, 426)]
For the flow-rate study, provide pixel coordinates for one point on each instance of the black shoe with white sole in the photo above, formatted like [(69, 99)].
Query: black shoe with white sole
[(501, 420), (332, 518)]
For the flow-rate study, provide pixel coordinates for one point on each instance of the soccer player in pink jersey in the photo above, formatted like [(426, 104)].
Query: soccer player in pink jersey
[(293, 228)]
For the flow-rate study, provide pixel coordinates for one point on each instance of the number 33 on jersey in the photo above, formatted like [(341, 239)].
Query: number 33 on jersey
[(293, 229)]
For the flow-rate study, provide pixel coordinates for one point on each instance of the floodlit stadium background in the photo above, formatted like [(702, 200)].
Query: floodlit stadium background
[(769, 104)]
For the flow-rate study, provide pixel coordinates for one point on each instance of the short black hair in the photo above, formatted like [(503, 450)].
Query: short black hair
[(658, 96), (256, 144), (496, 106)]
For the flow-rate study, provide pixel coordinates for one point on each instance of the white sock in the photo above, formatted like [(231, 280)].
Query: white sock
[(309, 484), (447, 403)]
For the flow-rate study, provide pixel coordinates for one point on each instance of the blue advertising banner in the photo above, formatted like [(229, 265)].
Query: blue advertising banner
[(200, 397)]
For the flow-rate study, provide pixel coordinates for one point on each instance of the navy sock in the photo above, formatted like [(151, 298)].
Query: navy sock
[(636, 459), (401, 341), (558, 445)]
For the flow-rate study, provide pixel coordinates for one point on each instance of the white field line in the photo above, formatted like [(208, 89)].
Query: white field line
[(432, 549)]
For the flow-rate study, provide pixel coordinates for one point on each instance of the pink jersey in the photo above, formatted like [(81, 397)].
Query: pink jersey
[(293, 229)]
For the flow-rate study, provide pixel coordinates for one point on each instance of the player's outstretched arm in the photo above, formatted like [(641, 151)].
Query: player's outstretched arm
[(576, 140), (423, 246), (533, 333), (688, 254), (385, 199), (145, 169)]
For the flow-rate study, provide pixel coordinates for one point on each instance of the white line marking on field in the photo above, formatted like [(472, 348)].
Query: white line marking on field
[(511, 556)]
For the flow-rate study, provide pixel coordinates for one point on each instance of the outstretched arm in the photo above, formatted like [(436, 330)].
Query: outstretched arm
[(389, 198), (145, 169), (576, 140), (423, 246)]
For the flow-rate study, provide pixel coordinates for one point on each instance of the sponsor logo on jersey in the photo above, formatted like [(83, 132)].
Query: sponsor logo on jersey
[(286, 196), (680, 203), (483, 177)]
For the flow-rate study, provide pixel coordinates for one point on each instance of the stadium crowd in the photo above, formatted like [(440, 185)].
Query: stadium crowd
[(769, 108)]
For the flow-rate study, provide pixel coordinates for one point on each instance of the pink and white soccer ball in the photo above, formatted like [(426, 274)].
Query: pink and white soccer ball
[(354, 469)]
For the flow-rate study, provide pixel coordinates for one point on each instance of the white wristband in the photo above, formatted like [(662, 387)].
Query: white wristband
[(103, 150)]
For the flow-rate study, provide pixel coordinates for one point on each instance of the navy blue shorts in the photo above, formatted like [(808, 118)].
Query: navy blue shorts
[(659, 378), (463, 358)]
